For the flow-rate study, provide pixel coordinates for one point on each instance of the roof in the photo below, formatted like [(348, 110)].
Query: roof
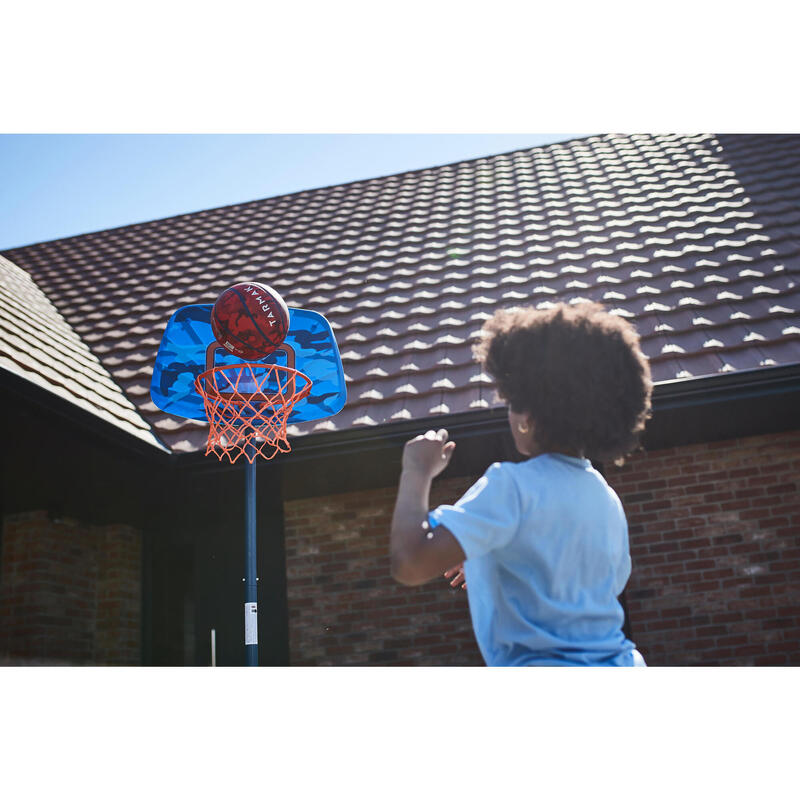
[(37, 344), (694, 238)]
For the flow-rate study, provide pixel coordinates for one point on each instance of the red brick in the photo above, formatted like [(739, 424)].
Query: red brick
[(756, 513), (727, 616), (705, 586), (664, 547), (754, 591), (717, 497), (748, 650), (682, 480), (717, 573), (772, 660), (784, 489), (742, 494), (665, 624), (671, 569), (761, 480), (651, 484), (685, 611), (699, 564)]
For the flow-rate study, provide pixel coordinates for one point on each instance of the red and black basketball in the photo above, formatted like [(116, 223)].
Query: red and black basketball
[(250, 319)]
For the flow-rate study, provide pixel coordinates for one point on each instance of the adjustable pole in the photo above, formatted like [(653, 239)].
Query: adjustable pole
[(251, 585)]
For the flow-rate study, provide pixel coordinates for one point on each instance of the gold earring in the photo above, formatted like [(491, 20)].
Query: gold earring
[(523, 428)]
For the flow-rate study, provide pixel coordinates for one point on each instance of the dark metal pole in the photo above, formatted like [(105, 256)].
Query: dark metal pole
[(251, 580)]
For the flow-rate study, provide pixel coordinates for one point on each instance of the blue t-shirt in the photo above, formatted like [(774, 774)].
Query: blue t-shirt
[(546, 544)]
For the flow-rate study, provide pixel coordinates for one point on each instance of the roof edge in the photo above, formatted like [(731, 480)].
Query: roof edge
[(740, 385)]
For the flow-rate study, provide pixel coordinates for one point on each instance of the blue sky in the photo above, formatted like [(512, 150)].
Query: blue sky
[(52, 186)]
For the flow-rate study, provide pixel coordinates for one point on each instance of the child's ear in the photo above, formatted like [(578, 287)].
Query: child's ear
[(525, 424)]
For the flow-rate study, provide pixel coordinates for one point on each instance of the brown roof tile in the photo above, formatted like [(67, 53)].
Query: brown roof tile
[(696, 239)]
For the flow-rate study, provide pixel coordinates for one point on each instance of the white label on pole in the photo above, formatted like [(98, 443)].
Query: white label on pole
[(251, 623)]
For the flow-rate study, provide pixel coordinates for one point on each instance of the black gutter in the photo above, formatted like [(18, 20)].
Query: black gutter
[(742, 384)]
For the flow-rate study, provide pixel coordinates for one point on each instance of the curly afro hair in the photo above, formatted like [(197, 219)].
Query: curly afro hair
[(579, 373)]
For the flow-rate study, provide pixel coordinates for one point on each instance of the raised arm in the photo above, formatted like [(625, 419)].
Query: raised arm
[(417, 553)]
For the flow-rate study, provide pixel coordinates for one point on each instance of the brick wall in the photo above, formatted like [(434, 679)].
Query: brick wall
[(344, 606), (69, 593), (715, 543)]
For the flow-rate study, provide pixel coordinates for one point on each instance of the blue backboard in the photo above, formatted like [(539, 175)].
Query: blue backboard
[(186, 351)]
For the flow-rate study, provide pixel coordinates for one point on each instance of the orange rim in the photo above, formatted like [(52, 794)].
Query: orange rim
[(243, 419)]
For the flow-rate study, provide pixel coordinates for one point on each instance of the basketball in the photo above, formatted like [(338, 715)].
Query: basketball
[(250, 320)]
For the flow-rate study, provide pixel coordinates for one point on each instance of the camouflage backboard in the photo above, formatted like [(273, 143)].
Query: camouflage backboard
[(188, 348)]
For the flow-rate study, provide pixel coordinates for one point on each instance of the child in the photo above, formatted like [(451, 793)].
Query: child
[(543, 542)]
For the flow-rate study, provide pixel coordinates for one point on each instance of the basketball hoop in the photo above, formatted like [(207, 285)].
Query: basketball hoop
[(248, 407)]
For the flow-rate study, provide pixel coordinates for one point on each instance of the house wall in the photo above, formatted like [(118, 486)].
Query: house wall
[(715, 544), (69, 593), (344, 607)]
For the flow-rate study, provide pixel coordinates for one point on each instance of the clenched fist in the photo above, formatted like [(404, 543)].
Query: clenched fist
[(428, 454)]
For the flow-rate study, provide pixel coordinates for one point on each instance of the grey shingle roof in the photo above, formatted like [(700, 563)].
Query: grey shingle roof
[(695, 238), (37, 344)]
